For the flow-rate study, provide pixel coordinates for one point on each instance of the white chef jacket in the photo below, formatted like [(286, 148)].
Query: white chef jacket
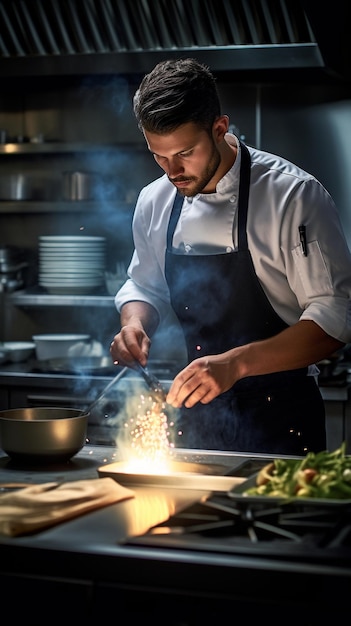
[(282, 197)]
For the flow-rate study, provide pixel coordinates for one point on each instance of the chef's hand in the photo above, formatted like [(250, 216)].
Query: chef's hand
[(202, 381), (129, 345), (139, 321)]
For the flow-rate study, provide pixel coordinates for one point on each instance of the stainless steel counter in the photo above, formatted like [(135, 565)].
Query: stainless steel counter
[(131, 517)]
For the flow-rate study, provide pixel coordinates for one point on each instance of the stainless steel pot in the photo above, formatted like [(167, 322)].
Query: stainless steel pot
[(42, 435), (12, 265), (80, 185), (15, 187), (28, 186)]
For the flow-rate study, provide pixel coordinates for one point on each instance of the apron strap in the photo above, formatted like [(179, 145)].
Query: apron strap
[(244, 189), (176, 211)]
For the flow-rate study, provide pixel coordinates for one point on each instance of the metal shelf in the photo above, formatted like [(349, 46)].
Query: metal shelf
[(57, 147), (58, 206), (40, 299)]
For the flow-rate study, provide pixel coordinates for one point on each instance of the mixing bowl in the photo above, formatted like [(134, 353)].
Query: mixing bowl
[(58, 345), (42, 435)]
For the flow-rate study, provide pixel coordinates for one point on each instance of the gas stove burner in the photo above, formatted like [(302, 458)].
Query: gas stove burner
[(291, 521), (293, 530)]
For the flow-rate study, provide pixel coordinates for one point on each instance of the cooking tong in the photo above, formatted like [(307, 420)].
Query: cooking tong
[(155, 386)]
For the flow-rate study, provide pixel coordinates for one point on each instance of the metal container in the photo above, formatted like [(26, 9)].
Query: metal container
[(11, 268), (80, 185), (42, 435), (28, 186), (15, 187)]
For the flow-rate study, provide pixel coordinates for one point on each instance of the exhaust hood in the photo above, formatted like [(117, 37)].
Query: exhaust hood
[(53, 37)]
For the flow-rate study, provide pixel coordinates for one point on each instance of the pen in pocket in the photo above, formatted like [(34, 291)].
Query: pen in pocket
[(302, 232)]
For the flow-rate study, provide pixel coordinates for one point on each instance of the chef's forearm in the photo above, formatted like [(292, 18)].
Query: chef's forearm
[(141, 315), (298, 346)]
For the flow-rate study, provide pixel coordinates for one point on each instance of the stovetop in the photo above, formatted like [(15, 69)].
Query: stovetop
[(293, 531)]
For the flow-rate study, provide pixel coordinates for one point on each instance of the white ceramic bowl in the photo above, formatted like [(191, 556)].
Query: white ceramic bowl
[(18, 351), (58, 345)]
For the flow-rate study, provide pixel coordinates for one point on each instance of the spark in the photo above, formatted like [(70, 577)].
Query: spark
[(149, 446)]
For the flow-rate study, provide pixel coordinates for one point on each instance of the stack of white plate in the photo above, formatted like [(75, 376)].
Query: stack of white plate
[(71, 264)]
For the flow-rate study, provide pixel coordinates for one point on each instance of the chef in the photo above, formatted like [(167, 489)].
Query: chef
[(248, 251)]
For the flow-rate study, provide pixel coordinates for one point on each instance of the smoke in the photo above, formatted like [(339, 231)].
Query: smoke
[(109, 92), (139, 426)]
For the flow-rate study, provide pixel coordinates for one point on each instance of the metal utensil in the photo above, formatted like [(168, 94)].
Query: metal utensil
[(155, 386), (153, 383), (106, 389)]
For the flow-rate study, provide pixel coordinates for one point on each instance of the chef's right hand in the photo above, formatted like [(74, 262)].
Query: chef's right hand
[(129, 345)]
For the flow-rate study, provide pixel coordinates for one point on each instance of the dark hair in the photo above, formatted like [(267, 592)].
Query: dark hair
[(176, 92)]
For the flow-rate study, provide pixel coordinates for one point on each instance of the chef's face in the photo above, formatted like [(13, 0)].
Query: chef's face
[(190, 156)]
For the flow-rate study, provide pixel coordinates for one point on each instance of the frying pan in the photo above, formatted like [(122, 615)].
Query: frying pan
[(181, 475)]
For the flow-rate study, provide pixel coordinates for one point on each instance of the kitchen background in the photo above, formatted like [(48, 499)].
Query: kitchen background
[(68, 74)]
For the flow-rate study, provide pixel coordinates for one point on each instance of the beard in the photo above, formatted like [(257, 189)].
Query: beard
[(198, 183)]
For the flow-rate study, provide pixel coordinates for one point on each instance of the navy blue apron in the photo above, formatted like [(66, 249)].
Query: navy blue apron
[(220, 304)]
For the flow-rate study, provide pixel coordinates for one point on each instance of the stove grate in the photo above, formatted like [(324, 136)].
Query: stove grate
[(291, 530)]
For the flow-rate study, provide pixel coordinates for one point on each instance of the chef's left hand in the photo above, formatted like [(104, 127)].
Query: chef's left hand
[(202, 381)]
